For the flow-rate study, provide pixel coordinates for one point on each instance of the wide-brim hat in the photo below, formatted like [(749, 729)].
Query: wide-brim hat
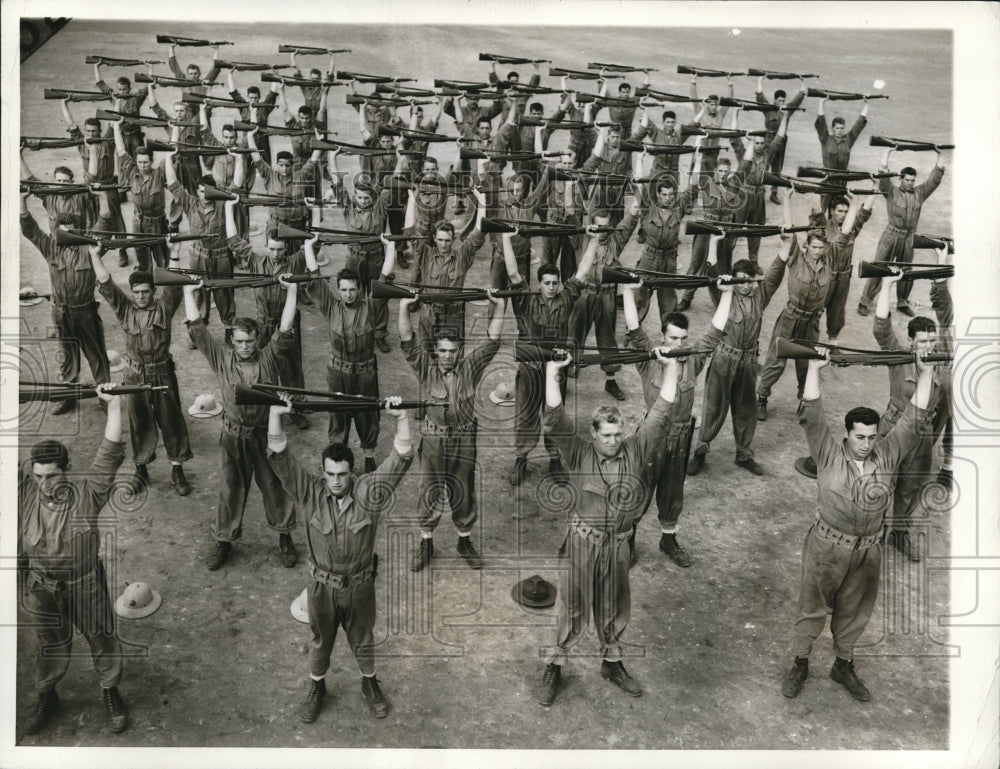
[(534, 592), (115, 361), (28, 297), (300, 607), (138, 600), (806, 466), (205, 406), (503, 394), (322, 260)]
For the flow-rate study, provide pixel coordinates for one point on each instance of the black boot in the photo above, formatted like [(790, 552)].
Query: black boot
[(46, 706), (286, 548), (792, 684), (520, 468), (178, 481), (116, 710), (546, 691), (309, 710), (843, 673), (557, 471), (377, 705), (140, 481)]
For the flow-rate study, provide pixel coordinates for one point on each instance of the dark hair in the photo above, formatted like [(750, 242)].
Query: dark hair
[(835, 201), (144, 150), (623, 86), (839, 121), (284, 155), (600, 212), (745, 266), (92, 121), (610, 414), (678, 319), (548, 269), (138, 277), (816, 234), (666, 183), (315, 71), (206, 181), (668, 113), (337, 452), (65, 217), (536, 106), (124, 81), (862, 415), (50, 452), (247, 326), (780, 94), (63, 170), (920, 323), (253, 89), (513, 73), (445, 226), (908, 171), (348, 273), (305, 110), (483, 119), (229, 127), (447, 334)]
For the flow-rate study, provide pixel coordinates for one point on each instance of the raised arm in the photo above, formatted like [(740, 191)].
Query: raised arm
[(113, 424)]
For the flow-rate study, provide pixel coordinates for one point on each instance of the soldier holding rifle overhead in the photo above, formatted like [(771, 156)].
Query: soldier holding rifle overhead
[(128, 102), (772, 121), (709, 115), (243, 439), (148, 188), (74, 311), (836, 143), (448, 427), (842, 555), (291, 183), (915, 468), (81, 207), (605, 473), (903, 203), (146, 320)]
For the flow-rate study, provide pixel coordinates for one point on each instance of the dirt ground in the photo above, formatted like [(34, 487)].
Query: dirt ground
[(224, 664)]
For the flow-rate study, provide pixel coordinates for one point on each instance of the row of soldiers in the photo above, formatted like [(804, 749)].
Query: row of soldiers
[(571, 299)]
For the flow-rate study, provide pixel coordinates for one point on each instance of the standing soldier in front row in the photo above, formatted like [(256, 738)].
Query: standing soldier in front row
[(842, 554), (243, 440), (607, 475), (341, 515), (58, 542), (146, 322)]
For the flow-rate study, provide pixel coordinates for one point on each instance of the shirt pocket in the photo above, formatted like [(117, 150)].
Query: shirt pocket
[(322, 523)]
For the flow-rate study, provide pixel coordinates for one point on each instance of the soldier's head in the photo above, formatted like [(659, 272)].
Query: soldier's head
[(386, 141), (141, 283), (472, 101), (816, 243), (712, 105), (182, 111), (123, 87), (723, 166), (447, 348), (204, 182), (284, 162), (614, 136), (669, 118), (520, 185), (780, 97), (338, 466), (277, 249), (143, 159), (861, 426), (838, 126), (744, 268), (418, 111), (513, 77), (666, 192), (305, 115), (444, 236), (606, 427), (624, 91), (62, 174), (193, 72), (430, 166), (229, 136), (922, 332), (484, 127), (315, 74), (675, 330), (349, 286), (49, 463), (245, 335), (92, 128), (602, 218), (549, 280), (907, 178), (67, 221), (836, 210), (758, 144), (536, 110), (364, 195), (253, 94)]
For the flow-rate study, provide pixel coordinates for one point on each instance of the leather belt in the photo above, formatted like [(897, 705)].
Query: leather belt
[(339, 581), (244, 431), (849, 541), (352, 367), (798, 312), (429, 427), (736, 352), (592, 289), (595, 535), (58, 584), (898, 230), (151, 368)]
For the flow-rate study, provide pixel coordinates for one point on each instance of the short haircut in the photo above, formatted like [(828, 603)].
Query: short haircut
[(138, 277), (207, 180), (65, 217), (678, 319), (124, 81), (816, 234), (63, 170), (253, 89), (920, 323), (315, 71), (548, 269), (92, 121), (666, 183), (445, 226), (745, 266), (839, 121), (606, 414), (908, 171), (513, 73), (600, 213), (229, 127), (50, 452), (247, 326), (364, 188), (860, 415), (624, 87), (431, 159), (337, 452), (713, 97), (285, 155), (780, 94), (305, 110), (349, 273), (536, 106), (447, 334), (483, 119), (669, 113), (144, 150), (837, 200), (724, 161)]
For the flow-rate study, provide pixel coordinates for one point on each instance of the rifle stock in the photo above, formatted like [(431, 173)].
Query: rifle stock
[(935, 242)]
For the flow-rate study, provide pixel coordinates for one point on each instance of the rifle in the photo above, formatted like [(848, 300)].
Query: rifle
[(163, 276), (343, 237), (265, 130), (934, 241), (460, 85), (628, 356), (671, 97), (351, 149), (261, 395), (803, 349), (247, 199), (145, 120), (27, 296), (65, 93), (575, 74), (110, 61), (308, 50), (189, 42), (652, 279), (591, 177), (249, 66), (826, 93), (907, 145), (551, 125), (426, 293), (511, 59), (702, 72), (619, 67), (363, 78), (734, 230), (184, 148), (910, 271), (112, 240), (31, 392), (169, 82), (676, 149), (753, 106), (773, 75), (838, 175), (529, 229), (305, 82), (801, 185), (401, 91), (420, 136)]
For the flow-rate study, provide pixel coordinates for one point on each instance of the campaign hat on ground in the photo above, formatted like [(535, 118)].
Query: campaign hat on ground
[(116, 361), (138, 600), (28, 297), (534, 592), (300, 607), (205, 406), (503, 394)]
